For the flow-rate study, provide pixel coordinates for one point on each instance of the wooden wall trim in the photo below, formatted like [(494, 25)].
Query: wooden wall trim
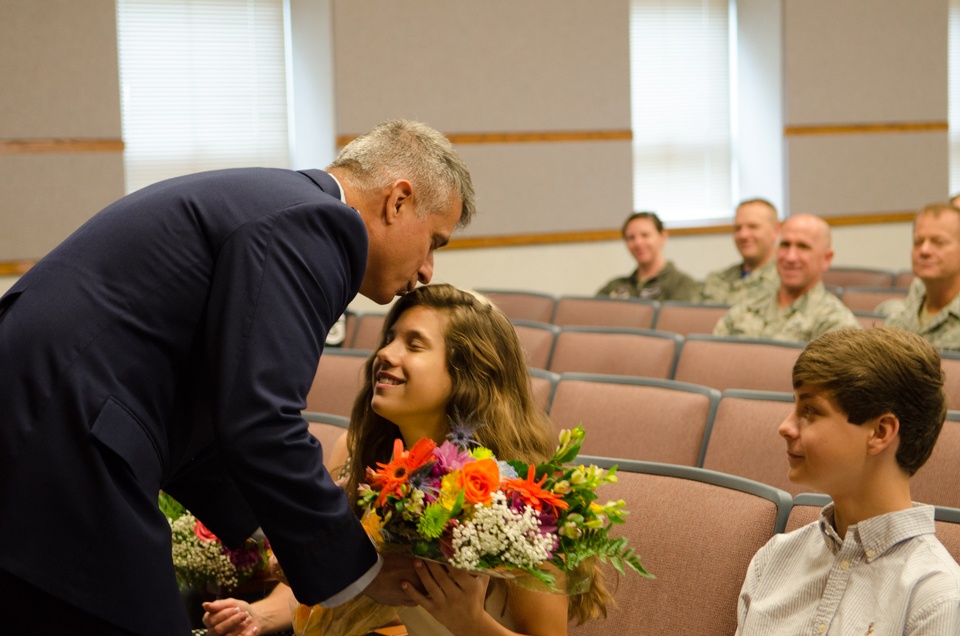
[(862, 129), (45, 146), (17, 268), (524, 137)]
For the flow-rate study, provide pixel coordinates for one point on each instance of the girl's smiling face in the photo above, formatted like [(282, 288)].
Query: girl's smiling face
[(410, 376)]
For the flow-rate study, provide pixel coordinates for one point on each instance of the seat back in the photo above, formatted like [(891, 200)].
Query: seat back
[(744, 440), (868, 320), (686, 318), (543, 384), (950, 361), (537, 340), (636, 418), (522, 305), (737, 363), (868, 298), (615, 351), (696, 531), (366, 334), (859, 277), (592, 311), (328, 428), (948, 529), (806, 509), (337, 382), (904, 278), (936, 482)]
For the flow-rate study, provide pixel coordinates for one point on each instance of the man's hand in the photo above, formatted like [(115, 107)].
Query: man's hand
[(386, 590)]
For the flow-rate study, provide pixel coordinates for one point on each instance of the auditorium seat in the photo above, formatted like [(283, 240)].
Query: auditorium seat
[(744, 439), (636, 418), (696, 531), (592, 311), (327, 428), (615, 351), (337, 382), (543, 384), (860, 298), (537, 340), (725, 362), (936, 482), (685, 318), (859, 276), (522, 305), (367, 331)]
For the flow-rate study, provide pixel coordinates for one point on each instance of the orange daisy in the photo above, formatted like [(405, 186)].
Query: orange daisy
[(532, 492), (392, 477)]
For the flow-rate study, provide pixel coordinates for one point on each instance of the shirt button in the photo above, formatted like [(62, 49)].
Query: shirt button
[(844, 565), (870, 554), (822, 627)]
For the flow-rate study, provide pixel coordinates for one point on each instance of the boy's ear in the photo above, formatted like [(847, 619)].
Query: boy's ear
[(886, 431)]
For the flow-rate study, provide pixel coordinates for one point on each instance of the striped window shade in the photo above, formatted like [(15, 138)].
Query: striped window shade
[(203, 86), (680, 60)]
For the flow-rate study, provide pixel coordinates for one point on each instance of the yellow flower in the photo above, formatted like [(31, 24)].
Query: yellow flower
[(449, 490), (481, 453), (373, 524)]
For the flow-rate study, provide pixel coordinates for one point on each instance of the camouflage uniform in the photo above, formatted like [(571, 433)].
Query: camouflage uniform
[(812, 315), (729, 286), (669, 284), (942, 331)]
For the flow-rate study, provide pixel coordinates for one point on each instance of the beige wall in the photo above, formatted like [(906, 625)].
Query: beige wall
[(498, 66), (58, 68)]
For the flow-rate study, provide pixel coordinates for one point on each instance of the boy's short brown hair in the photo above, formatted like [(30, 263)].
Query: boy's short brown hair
[(869, 372)]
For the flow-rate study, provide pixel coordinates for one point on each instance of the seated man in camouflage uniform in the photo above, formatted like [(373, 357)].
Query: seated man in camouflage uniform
[(655, 277), (755, 230), (932, 307), (801, 309)]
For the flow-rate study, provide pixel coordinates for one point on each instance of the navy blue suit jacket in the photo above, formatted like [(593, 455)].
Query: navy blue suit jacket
[(170, 342)]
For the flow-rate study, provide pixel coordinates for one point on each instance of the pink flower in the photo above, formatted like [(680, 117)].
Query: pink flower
[(450, 458)]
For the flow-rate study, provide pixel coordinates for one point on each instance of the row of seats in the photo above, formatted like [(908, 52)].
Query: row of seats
[(867, 277), (667, 421), (719, 362), (683, 318), (717, 522)]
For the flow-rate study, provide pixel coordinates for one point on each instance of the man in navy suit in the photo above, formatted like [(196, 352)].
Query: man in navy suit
[(170, 343)]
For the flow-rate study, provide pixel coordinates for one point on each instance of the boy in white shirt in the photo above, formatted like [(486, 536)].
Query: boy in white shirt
[(869, 405)]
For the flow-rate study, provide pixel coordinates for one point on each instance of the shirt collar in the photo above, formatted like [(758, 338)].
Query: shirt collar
[(879, 534)]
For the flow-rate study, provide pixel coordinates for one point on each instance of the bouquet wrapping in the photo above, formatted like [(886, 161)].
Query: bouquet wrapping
[(457, 504), (202, 561)]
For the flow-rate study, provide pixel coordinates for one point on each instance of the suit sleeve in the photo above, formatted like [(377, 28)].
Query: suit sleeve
[(280, 281)]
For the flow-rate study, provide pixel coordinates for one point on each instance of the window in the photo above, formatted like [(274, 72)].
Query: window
[(203, 86), (680, 93)]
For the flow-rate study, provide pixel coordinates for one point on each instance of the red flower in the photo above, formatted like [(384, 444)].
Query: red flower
[(203, 533), (393, 476), (532, 492)]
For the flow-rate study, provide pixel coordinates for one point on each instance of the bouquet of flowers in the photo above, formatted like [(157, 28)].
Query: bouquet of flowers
[(458, 504), (202, 561)]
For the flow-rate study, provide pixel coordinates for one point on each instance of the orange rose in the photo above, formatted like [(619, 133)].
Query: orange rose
[(479, 480), (203, 533)]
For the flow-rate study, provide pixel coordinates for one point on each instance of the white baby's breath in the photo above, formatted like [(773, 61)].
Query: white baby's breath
[(498, 531)]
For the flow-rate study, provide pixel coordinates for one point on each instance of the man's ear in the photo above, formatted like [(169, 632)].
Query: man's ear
[(886, 431), (399, 199)]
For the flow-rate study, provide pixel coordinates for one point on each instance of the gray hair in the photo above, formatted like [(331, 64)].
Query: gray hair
[(404, 149)]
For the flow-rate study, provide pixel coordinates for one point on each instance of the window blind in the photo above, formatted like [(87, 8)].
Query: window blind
[(681, 108), (203, 86)]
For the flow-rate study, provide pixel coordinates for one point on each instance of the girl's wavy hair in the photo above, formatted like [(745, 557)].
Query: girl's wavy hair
[(490, 392)]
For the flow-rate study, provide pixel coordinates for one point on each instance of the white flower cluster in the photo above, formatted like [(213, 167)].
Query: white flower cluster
[(197, 561), (506, 535)]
